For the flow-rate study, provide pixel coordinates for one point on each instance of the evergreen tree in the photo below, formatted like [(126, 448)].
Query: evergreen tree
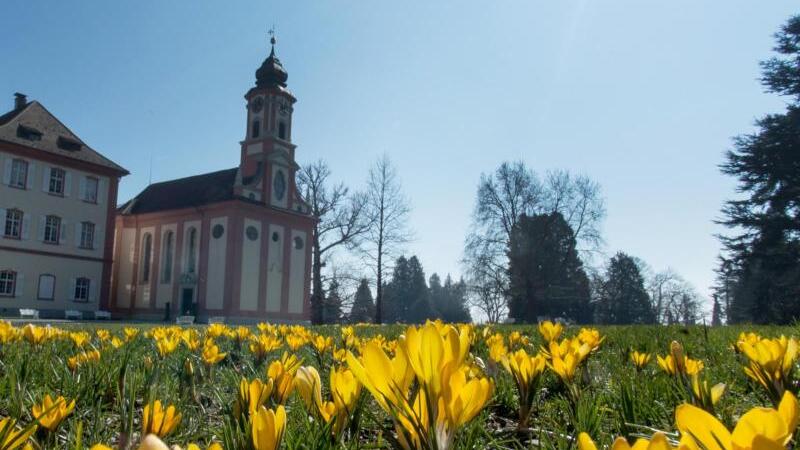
[(395, 293), (453, 302), (545, 273), (363, 310), (332, 306), (761, 267), (716, 313), (420, 308), (623, 297)]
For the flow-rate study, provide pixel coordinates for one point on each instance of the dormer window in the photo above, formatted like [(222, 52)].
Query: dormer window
[(70, 145), (282, 130), (28, 133), (256, 129)]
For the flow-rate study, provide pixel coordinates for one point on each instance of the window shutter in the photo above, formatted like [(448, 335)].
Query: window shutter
[(3, 221), (102, 188), (62, 232), (92, 291), (7, 172), (46, 179), (42, 223), (67, 184), (98, 235), (31, 176), (26, 226), (82, 189), (71, 293), (19, 285), (78, 234)]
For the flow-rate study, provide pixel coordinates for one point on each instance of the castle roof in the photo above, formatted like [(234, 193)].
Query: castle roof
[(32, 125)]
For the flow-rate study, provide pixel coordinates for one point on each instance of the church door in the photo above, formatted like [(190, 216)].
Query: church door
[(187, 298)]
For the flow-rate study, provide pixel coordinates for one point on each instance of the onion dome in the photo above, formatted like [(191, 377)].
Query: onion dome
[(271, 73)]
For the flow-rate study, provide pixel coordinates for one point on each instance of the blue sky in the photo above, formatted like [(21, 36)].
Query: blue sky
[(643, 97)]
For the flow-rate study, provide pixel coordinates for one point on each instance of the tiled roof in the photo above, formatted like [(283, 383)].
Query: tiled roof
[(34, 116), (187, 192)]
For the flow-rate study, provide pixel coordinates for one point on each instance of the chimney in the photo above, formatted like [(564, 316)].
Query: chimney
[(20, 100)]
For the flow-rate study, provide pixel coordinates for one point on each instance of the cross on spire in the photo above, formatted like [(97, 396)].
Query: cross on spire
[(272, 39)]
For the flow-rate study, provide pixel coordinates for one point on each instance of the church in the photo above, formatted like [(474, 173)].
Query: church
[(232, 244)]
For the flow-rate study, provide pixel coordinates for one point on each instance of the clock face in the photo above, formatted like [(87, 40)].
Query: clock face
[(257, 105)]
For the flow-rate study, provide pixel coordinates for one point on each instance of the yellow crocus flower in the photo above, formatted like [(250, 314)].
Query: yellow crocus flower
[(267, 428), (526, 370), (309, 385), (771, 362), (50, 413), (130, 333), (657, 442), (703, 395), (34, 334), (282, 373), (166, 345), (211, 354), (11, 436), (550, 331), (640, 360), (432, 354), (251, 395), (159, 421), (757, 429), (216, 330)]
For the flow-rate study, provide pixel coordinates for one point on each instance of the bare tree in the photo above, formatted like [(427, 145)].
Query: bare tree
[(674, 299), (387, 209), (342, 221), (503, 197)]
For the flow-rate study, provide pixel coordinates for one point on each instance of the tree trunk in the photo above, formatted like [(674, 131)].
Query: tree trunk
[(379, 288), (317, 296)]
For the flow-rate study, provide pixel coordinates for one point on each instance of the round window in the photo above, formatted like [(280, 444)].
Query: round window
[(298, 243), (217, 231), (275, 236), (252, 233)]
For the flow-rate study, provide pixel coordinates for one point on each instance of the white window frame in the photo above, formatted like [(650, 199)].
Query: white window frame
[(12, 224), (91, 189), (58, 180), (82, 287), (8, 283), (19, 173), (52, 229), (87, 235)]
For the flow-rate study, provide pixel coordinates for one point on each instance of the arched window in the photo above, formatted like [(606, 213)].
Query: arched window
[(282, 130), (256, 128), (147, 256), (167, 249), (191, 251)]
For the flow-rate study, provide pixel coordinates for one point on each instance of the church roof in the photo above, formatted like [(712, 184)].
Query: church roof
[(187, 192), (33, 126)]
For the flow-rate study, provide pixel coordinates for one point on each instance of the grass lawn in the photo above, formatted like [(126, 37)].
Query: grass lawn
[(112, 376)]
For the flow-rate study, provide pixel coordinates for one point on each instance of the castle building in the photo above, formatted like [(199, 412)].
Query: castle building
[(57, 205), (233, 243)]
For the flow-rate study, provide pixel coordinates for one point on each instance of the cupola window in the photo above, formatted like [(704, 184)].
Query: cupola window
[(282, 130), (256, 132)]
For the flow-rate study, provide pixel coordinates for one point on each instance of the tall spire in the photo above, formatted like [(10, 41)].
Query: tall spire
[(271, 73), (272, 40)]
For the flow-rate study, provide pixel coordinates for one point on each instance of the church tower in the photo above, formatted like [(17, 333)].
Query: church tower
[(267, 168)]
